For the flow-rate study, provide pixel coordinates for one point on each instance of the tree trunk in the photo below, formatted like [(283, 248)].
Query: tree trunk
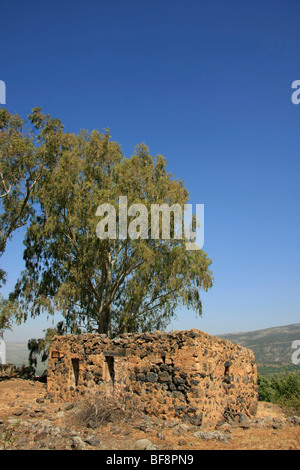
[(104, 321)]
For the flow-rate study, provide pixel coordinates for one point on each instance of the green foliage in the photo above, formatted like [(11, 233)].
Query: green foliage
[(26, 153), (266, 392), (9, 314), (283, 389), (111, 286), (24, 157)]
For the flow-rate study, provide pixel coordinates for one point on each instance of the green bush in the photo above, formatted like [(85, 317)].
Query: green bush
[(282, 389), (265, 391)]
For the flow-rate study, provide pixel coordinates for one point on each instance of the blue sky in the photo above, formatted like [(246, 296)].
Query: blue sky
[(206, 84)]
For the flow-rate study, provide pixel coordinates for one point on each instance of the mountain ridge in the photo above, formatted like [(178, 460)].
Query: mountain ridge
[(270, 345)]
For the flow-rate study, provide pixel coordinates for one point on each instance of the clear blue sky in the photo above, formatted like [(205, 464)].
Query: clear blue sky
[(206, 84)]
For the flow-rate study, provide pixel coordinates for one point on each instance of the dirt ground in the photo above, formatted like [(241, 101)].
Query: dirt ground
[(26, 400)]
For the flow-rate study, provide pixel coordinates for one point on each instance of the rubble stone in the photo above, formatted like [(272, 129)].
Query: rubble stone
[(189, 375)]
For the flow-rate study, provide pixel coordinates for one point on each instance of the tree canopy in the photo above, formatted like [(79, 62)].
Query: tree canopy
[(106, 285)]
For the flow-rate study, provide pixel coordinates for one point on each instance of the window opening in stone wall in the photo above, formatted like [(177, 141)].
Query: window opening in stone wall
[(227, 365), (111, 367), (75, 364)]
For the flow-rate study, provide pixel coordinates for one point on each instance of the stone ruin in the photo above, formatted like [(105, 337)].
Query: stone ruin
[(190, 375), (11, 371)]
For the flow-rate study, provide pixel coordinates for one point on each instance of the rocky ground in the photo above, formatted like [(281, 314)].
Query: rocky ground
[(29, 420)]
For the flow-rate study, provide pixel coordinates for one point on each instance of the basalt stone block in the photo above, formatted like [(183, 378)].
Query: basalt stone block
[(172, 387), (151, 377), (180, 408), (178, 381), (177, 395), (197, 419), (194, 382), (164, 377), (141, 377), (164, 367)]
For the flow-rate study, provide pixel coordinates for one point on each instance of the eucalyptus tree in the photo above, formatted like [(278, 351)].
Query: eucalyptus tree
[(114, 284)]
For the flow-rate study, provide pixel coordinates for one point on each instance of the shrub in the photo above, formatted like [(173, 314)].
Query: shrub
[(266, 392), (107, 409), (282, 389)]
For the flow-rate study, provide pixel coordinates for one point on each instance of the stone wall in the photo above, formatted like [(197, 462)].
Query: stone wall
[(201, 379), (11, 371)]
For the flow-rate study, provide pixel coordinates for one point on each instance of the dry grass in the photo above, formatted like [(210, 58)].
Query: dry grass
[(116, 409)]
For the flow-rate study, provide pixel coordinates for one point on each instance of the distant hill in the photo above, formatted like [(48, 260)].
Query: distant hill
[(272, 346)]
